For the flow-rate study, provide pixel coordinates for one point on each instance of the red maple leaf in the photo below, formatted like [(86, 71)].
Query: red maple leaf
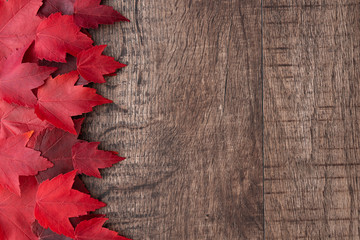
[(15, 120), (56, 202), (59, 99), (18, 160), (92, 230), (80, 185), (87, 13), (62, 68), (18, 79), (58, 35), (18, 23), (87, 159), (55, 144), (17, 213), (38, 125), (49, 7), (46, 234), (91, 65)]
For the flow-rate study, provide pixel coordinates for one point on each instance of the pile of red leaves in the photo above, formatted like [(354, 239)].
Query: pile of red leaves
[(46, 58)]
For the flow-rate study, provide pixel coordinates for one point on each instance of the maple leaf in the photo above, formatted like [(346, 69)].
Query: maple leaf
[(59, 99), (58, 35), (18, 160), (30, 107), (56, 194), (49, 7), (77, 220), (80, 185), (89, 14), (18, 79), (92, 230), (18, 23), (62, 68), (87, 158), (17, 213), (15, 120), (46, 234), (55, 145), (91, 65)]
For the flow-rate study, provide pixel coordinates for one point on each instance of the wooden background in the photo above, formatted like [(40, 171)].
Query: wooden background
[(239, 119)]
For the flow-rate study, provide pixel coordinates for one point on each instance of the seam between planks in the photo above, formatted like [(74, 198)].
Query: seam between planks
[(262, 111)]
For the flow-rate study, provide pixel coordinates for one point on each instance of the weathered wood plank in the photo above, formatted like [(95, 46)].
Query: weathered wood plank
[(311, 102), (187, 114)]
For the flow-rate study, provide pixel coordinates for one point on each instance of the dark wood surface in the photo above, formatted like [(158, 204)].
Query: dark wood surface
[(238, 119), (311, 127)]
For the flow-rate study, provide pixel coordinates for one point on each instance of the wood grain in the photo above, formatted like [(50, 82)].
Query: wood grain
[(311, 127), (187, 114)]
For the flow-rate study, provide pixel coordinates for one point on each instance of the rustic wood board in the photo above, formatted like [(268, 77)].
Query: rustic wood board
[(217, 95), (187, 114), (311, 127)]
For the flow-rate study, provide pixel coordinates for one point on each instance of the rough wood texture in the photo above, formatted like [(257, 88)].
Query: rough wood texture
[(187, 114), (311, 137)]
